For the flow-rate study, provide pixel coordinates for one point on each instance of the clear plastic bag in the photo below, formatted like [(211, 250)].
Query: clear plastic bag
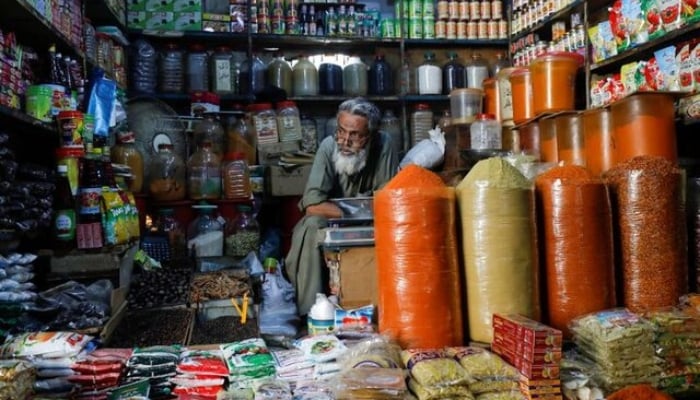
[(377, 351)]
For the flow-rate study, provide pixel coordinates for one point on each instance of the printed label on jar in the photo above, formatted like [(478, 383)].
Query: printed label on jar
[(464, 10), (453, 10), (506, 99), (90, 200), (503, 29), (222, 80), (482, 30), (472, 30), (474, 10), (266, 128), (451, 30), (485, 9), (493, 29), (461, 30), (496, 9), (64, 224), (428, 29), (440, 29)]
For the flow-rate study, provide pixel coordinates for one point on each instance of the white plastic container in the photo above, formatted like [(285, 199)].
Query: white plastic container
[(321, 318), (485, 133), (429, 75)]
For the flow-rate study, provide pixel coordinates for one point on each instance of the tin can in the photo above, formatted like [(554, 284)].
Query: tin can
[(482, 29), (558, 30), (440, 29), (428, 9), (452, 29), (461, 30), (386, 28), (415, 28), (493, 29), (503, 29), (442, 9), (401, 9), (496, 9), (453, 10), (472, 30), (429, 28), (415, 9), (464, 10), (398, 22), (485, 9), (474, 10)]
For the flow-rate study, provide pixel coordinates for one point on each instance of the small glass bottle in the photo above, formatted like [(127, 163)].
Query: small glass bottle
[(204, 173), (485, 133), (167, 175), (243, 235), (64, 222)]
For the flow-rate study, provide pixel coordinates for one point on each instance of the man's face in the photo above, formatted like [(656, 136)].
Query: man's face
[(352, 134)]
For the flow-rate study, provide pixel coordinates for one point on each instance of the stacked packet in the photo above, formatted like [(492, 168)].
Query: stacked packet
[(491, 376), (200, 374), (99, 372), (16, 379), (248, 361), (433, 374), (157, 364)]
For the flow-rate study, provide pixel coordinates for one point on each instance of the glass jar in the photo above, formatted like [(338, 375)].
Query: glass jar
[(485, 133), (167, 175), (429, 75), (235, 177), (309, 136), (209, 129), (421, 122), (221, 65), (204, 173), (279, 74), (305, 77), (243, 235), (501, 62), (205, 233), (197, 69), (252, 75), (391, 125), (125, 152), (381, 81), (476, 70), (330, 78), (288, 121), (167, 225), (143, 64), (452, 74), (406, 78), (355, 77), (264, 122), (241, 137), (172, 69)]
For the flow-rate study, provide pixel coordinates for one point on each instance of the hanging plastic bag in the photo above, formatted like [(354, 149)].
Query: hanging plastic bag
[(428, 153)]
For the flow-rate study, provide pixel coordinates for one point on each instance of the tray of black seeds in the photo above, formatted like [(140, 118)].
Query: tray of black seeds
[(164, 326), (159, 288), (223, 330)]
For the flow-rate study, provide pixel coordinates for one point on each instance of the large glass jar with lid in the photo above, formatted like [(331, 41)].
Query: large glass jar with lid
[(243, 235), (381, 81), (253, 75), (355, 77), (205, 234), (452, 74), (288, 121), (172, 69), (330, 77), (476, 70), (429, 75), (209, 129), (125, 152), (197, 69), (279, 74), (235, 177), (305, 77), (204, 173), (264, 122), (221, 71), (166, 224), (240, 137), (167, 175)]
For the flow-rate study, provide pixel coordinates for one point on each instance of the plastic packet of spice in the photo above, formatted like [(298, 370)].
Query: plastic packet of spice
[(483, 364), (611, 326), (504, 395), (445, 392), (432, 367)]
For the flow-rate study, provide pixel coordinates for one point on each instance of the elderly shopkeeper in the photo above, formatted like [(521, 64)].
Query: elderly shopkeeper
[(356, 161)]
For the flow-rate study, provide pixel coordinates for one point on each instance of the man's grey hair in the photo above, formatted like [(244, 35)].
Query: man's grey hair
[(362, 107)]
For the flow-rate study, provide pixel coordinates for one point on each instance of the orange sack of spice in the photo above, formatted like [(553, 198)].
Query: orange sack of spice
[(415, 238), (639, 392), (575, 219)]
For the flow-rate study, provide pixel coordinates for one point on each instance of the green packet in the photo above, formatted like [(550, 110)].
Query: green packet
[(133, 391)]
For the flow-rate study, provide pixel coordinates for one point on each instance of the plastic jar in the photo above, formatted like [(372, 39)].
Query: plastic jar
[(548, 140), (429, 75), (309, 136), (330, 78), (279, 74), (598, 140), (421, 122), (521, 91), (197, 69), (241, 138), (264, 123), (643, 124), (554, 81), (172, 69), (465, 104), (235, 177), (252, 75), (243, 235), (288, 121), (167, 175), (391, 125), (485, 133), (305, 77), (452, 74), (70, 127), (221, 66), (492, 98), (204, 173), (125, 152), (381, 82), (506, 94), (570, 148), (209, 129), (70, 157), (205, 235), (530, 139), (355, 77), (476, 70), (166, 224)]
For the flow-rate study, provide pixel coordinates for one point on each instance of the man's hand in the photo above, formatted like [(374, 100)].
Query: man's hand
[(326, 209)]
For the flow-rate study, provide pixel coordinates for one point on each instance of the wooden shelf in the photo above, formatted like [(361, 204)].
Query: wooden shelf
[(38, 126)]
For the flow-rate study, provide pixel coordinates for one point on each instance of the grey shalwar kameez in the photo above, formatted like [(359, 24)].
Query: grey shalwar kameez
[(303, 263)]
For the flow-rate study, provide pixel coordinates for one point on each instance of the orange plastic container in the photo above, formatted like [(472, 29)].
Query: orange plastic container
[(598, 140), (548, 140), (492, 98), (554, 81), (643, 124), (530, 139), (521, 89), (570, 148)]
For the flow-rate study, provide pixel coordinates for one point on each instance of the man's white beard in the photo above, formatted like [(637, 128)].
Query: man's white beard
[(349, 164)]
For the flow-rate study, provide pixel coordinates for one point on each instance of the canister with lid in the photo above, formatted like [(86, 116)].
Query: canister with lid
[(521, 91), (172, 69), (197, 69), (554, 81), (492, 98), (485, 133), (598, 140), (264, 122), (465, 104), (221, 66), (570, 148), (288, 121), (429, 75), (506, 94), (477, 69), (422, 120)]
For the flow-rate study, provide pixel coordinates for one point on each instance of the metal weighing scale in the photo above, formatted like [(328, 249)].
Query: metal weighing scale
[(355, 228)]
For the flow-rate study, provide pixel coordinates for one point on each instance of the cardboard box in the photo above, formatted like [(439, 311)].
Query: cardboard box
[(353, 275), (159, 5), (287, 182), (162, 21), (136, 5), (269, 154), (187, 5), (188, 21)]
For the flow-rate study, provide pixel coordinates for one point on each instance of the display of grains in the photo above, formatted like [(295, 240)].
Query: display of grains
[(240, 243), (225, 329), (499, 243), (650, 220), (161, 287), (219, 285), (575, 221), (154, 327)]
